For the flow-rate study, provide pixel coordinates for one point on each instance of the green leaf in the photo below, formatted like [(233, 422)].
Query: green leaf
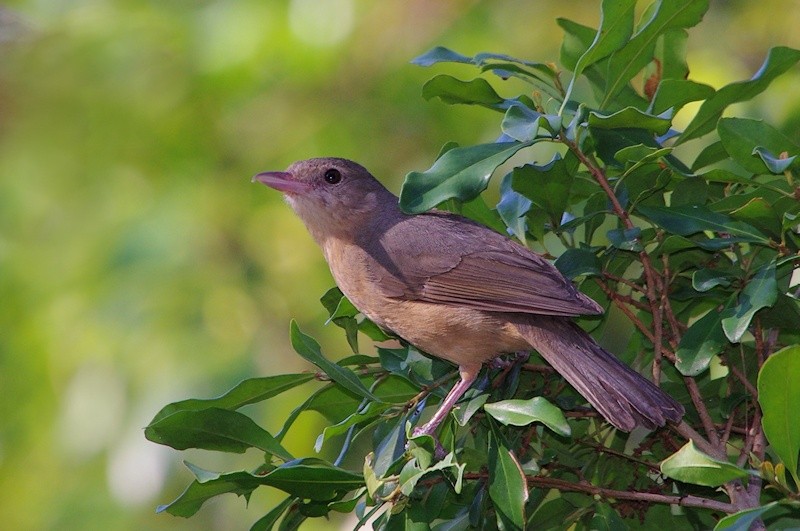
[(701, 342), (711, 154), (690, 465), (576, 262), (246, 392), (512, 208), (269, 520), (616, 26), (309, 349), (508, 488), (706, 279), (639, 51), (691, 219), (197, 493), (675, 93), (761, 292), (779, 60), (455, 91), (751, 144), (761, 215), (630, 118), (440, 54), (313, 479), (517, 412), (779, 396), (775, 163), (461, 173), (607, 519), (367, 413), (547, 186), (213, 429), (625, 239), (742, 520), (522, 124)]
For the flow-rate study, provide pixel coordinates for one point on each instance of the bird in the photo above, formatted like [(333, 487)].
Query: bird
[(459, 291)]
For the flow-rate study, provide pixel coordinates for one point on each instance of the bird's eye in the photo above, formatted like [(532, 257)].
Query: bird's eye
[(332, 176)]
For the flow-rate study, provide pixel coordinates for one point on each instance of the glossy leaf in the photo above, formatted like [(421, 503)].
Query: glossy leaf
[(702, 341), (440, 54), (675, 93), (779, 60), (779, 397), (312, 478), (760, 292), (707, 279), (461, 173), (248, 391), (548, 186), (639, 51), (214, 429), (625, 239), (454, 91), (577, 262), (690, 465), (752, 143), (516, 412), (309, 349), (522, 124), (197, 493), (743, 520), (629, 118), (775, 163), (269, 520), (616, 26), (711, 154), (512, 208), (508, 488), (688, 220)]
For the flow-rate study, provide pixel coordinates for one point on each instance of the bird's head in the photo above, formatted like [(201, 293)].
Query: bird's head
[(333, 196)]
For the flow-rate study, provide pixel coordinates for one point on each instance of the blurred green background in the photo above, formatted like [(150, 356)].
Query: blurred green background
[(139, 265)]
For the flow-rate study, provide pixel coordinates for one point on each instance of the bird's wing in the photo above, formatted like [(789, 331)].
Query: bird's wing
[(469, 265)]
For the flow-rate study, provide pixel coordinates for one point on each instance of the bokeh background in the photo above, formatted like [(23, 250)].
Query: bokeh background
[(139, 265)]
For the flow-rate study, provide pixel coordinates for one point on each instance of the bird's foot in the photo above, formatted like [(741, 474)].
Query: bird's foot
[(439, 451)]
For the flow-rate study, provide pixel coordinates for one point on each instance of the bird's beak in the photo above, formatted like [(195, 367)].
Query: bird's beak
[(283, 181)]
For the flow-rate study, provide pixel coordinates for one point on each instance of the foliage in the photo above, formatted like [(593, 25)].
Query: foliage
[(693, 259)]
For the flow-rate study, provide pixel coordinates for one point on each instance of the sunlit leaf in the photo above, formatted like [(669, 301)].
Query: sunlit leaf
[(461, 173), (213, 429), (690, 465), (755, 145), (309, 349), (508, 488), (630, 118), (515, 412), (701, 342), (761, 292), (616, 26), (639, 51), (779, 60), (743, 520), (779, 397), (440, 54), (248, 391), (675, 93), (453, 91), (688, 220)]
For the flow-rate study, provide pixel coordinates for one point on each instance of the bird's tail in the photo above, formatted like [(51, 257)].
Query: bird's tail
[(623, 396)]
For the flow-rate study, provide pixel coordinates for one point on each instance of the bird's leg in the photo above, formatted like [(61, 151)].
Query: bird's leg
[(468, 375)]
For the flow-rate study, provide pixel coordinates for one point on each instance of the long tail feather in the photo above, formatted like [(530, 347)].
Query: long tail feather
[(623, 396)]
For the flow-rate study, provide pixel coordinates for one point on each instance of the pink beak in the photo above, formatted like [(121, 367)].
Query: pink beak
[(283, 181)]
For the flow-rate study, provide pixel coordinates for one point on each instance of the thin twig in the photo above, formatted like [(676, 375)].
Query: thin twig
[(646, 497), (702, 411)]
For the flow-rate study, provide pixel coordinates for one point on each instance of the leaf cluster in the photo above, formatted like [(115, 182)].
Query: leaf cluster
[(694, 259)]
